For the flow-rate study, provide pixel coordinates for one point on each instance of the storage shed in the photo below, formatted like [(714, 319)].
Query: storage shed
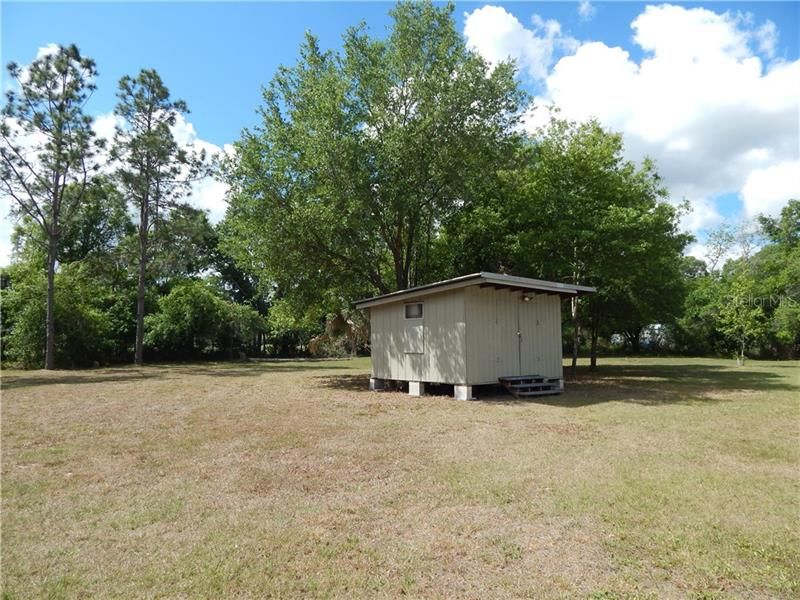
[(473, 330)]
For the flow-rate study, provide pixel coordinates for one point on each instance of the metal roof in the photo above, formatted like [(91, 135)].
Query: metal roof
[(483, 279)]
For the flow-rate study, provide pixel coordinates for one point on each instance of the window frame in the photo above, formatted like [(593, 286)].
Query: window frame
[(421, 311)]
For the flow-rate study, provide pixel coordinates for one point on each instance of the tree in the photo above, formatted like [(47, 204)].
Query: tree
[(579, 212), (741, 317), (193, 320), (87, 310), (95, 228), (46, 142), (777, 268), (99, 224), (155, 172), (361, 155), (184, 245), (641, 281), (95, 300)]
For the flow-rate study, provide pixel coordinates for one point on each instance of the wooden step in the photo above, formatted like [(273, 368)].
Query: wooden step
[(523, 386), (551, 392), (541, 384), (518, 378)]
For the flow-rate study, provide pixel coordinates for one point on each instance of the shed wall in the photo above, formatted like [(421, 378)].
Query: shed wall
[(443, 331), (493, 349), (540, 343)]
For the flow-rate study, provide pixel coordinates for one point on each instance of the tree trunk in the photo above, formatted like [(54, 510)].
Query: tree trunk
[(139, 349), (595, 335), (50, 333), (400, 274), (576, 334), (634, 339)]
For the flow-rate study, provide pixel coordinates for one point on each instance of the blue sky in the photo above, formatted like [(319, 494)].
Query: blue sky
[(216, 56)]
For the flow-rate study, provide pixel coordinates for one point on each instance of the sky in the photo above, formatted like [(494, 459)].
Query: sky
[(710, 91)]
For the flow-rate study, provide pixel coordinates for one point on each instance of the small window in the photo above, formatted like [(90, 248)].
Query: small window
[(414, 311)]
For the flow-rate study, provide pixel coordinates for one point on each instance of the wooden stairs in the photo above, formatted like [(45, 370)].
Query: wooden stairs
[(526, 386)]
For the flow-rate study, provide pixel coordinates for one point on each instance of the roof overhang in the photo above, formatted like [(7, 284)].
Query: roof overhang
[(482, 279)]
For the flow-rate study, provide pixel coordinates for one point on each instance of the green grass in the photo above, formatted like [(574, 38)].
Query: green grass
[(649, 478)]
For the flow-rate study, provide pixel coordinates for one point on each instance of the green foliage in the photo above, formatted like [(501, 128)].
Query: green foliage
[(740, 318), (573, 209), (752, 304), (94, 229), (87, 314), (186, 321), (291, 328), (185, 244), (193, 320), (99, 224), (155, 171), (362, 154), (46, 143)]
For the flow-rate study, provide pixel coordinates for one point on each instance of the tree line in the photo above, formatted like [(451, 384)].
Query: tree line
[(390, 163)]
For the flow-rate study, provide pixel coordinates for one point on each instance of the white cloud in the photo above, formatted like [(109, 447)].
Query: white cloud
[(704, 216), (698, 250), (702, 102), (498, 35), (105, 125), (767, 190), (680, 33), (585, 10), (47, 50), (206, 193), (767, 38), (209, 195)]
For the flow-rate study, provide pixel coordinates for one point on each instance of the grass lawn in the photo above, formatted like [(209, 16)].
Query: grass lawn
[(651, 478)]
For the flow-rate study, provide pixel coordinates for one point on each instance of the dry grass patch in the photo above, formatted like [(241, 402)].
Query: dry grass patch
[(650, 478)]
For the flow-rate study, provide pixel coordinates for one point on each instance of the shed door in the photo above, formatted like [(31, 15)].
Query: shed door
[(507, 333), (531, 335)]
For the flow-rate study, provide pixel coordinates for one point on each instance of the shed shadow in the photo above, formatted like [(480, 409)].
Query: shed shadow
[(647, 385), (350, 383), (656, 385)]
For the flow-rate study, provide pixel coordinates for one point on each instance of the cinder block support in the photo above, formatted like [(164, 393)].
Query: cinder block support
[(416, 388), (462, 392), (561, 384), (377, 385)]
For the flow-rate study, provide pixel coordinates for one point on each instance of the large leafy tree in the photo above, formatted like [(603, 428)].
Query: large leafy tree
[(574, 209), (46, 143), (154, 172), (94, 304), (595, 218), (777, 267), (361, 155)]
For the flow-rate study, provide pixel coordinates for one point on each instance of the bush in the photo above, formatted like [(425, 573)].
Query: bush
[(83, 311), (194, 321)]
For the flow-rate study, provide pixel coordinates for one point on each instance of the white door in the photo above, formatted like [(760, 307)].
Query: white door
[(507, 333)]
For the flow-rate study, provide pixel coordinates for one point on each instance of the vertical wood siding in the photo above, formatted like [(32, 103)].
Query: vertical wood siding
[(493, 347), (442, 358), (540, 340), (469, 336)]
